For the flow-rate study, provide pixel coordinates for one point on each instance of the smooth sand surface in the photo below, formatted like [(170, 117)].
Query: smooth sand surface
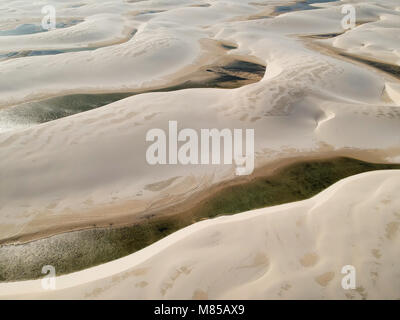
[(91, 168), (291, 251), (77, 171)]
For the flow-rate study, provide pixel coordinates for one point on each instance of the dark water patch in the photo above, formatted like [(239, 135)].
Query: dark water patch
[(74, 251), (203, 5), (22, 29), (150, 12), (300, 5), (325, 35), (11, 55), (31, 113), (240, 66), (233, 75), (30, 28), (79, 5), (260, 17), (392, 69), (32, 53), (228, 46)]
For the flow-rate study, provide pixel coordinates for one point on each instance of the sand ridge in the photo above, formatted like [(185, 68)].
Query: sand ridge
[(291, 251), (57, 171), (89, 169)]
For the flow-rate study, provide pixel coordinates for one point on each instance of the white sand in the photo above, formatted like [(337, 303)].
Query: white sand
[(378, 39), (97, 30), (60, 174), (290, 251)]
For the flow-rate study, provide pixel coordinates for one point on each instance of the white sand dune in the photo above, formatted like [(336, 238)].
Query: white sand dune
[(96, 30), (289, 251), (91, 167), (57, 174), (377, 37)]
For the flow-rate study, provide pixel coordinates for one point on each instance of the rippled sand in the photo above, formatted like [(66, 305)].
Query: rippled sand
[(81, 169)]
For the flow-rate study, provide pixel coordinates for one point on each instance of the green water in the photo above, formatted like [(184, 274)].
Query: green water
[(31, 113), (386, 67), (73, 251)]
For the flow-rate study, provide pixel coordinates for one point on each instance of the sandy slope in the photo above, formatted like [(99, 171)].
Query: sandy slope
[(291, 251), (75, 171), (377, 37)]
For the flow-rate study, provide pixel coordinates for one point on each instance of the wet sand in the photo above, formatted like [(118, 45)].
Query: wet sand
[(226, 72), (389, 70), (282, 182), (127, 213)]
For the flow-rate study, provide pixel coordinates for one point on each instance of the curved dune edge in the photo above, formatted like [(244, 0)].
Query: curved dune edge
[(290, 251), (305, 101), (70, 252), (128, 213)]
